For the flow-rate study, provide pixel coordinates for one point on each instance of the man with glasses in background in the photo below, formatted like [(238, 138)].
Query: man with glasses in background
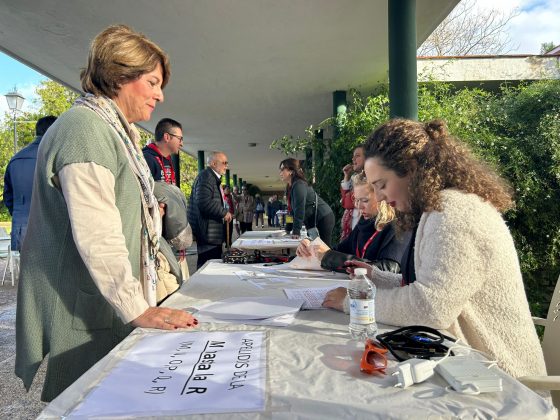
[(207, 212), (168, 141)]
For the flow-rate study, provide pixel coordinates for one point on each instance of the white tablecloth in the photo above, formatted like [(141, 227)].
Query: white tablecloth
[(266, 244), (263, 234), (313, 368)]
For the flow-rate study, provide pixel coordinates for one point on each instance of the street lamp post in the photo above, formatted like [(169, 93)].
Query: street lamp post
[(15, 103)]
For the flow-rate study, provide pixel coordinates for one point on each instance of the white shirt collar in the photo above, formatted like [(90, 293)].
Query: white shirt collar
[(217, 174)]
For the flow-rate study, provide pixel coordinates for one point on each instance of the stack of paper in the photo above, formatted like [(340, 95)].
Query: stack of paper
[(251, 310), (313, 297)]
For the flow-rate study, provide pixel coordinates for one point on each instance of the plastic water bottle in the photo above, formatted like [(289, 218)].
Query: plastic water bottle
[(361, 292), (303, 232)]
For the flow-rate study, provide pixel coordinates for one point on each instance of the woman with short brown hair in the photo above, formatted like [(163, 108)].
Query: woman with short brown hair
[(88, 262)]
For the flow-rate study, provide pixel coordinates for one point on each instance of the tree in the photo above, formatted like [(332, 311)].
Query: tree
[(469, 30), (516, 130), (547, 46), (54, 99)]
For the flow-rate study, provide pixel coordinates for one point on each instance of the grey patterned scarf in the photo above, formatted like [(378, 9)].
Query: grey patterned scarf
[(108, 110)]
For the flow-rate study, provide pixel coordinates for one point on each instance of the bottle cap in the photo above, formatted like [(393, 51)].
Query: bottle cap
[(360, 272)]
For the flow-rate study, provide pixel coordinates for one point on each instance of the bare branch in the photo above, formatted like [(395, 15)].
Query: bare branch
[(469, 30)]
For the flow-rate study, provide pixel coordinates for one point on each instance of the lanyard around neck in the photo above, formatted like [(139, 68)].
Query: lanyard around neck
[(366, 245)]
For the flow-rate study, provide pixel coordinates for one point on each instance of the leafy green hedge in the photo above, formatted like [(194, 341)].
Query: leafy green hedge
[(517, 130)]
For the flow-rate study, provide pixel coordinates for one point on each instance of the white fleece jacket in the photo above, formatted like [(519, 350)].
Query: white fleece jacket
[(468, 282)]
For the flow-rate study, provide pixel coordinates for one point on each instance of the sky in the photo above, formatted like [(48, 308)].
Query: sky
[(13, 73), (536, 23)]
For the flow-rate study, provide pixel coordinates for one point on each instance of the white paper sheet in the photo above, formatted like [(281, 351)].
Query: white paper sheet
[(245, 274), (259, 279), (183, 373), (278, 321), (286, 272), (243, 308), (313, 297)]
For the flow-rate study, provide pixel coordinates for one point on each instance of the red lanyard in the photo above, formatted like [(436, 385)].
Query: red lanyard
[(168, 172), (367, 244)]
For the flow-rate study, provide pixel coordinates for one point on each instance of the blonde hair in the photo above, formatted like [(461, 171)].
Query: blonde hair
[(435, 161), (385, 213), (119, 55)]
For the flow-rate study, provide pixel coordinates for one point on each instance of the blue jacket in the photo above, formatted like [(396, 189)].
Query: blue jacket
[(18, 186)]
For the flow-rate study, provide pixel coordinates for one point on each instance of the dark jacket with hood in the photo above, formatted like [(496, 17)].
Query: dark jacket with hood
[(385, 250)]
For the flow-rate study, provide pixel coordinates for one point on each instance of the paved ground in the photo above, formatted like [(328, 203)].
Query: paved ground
[(15, 402)]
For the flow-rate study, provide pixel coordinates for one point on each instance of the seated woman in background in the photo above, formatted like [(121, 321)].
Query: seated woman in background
[(372, 239), (461, 272), (304, 205)]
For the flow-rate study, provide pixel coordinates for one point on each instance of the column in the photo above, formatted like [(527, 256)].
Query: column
[(339, 106), (201, 164), (403, 85)]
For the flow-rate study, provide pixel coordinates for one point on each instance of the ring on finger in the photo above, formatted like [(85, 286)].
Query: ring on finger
[(167, 320)]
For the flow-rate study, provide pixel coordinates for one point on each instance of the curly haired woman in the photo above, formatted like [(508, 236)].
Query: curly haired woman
[(460, 272)]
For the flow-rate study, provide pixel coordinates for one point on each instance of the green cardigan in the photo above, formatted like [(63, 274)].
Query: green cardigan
[(60, 310)]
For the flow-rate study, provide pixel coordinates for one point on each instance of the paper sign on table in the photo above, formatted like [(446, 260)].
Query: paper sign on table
[(183, 373)]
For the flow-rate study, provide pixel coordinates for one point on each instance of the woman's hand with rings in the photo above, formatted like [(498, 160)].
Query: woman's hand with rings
[(165, 319)]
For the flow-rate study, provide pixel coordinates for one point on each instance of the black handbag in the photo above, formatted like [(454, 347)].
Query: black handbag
[(313, 232), (238, 256), (235, 256), (415, 342)]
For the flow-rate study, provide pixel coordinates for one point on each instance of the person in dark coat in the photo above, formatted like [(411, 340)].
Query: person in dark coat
[(168, 141), (18, 182), (272, 207), (207, 213), (304, 205)]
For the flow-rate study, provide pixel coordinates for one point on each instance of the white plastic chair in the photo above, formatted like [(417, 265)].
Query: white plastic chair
[(551, 346), (6, 252)]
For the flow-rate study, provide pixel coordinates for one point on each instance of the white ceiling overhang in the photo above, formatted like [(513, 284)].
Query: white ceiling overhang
[(243, 71)]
